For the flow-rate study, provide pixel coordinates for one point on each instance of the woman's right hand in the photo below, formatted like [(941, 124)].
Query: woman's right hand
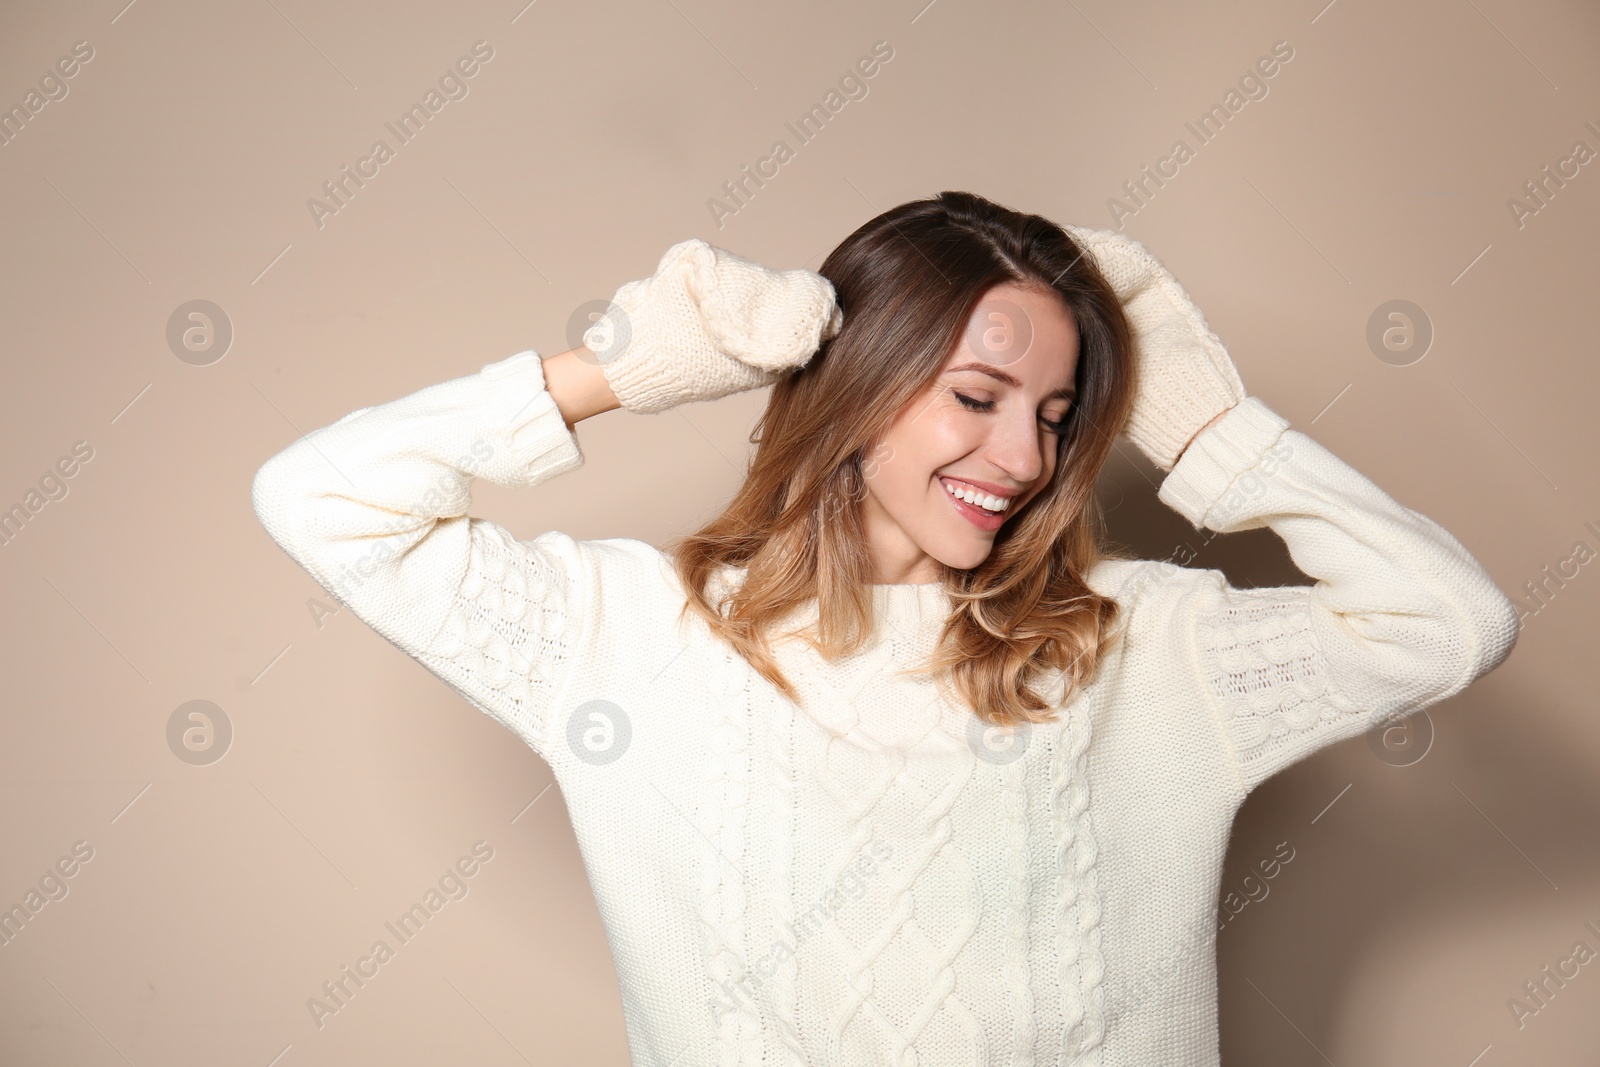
[(706, 324)]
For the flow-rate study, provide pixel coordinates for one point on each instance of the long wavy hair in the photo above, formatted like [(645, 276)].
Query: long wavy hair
[(908, 281)]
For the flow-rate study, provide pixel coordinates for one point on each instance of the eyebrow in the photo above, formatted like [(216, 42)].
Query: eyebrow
[(1069, 393)]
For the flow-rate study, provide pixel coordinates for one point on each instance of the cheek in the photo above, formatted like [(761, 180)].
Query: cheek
[(925, 438), (897, 473), (898, 478), (937, 434)]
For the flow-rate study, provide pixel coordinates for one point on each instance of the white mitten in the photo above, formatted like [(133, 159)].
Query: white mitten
[(1186, 377), (708, 323)]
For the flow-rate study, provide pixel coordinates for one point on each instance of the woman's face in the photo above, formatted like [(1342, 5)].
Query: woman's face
[(982, 427)]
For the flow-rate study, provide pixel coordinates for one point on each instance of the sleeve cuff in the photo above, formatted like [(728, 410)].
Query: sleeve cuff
[(1236, 443), (523, 411)]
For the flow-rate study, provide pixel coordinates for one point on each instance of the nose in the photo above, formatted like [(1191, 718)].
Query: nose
[(1015, 447)]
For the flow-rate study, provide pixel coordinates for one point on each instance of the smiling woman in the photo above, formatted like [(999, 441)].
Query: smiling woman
[(1048, 804), (984, 436), (979, 345)]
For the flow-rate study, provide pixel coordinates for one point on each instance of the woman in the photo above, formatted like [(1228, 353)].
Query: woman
[(892, 763)]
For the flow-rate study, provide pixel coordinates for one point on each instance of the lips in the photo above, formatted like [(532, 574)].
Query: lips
[(958, 488), (982, 518), (983, 487)]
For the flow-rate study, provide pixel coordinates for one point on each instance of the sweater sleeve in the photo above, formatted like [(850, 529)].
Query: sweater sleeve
[(1401, 616), (375, 507)]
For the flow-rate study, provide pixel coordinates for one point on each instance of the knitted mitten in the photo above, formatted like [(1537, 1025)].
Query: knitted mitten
[(1186, 377), (709, 323)]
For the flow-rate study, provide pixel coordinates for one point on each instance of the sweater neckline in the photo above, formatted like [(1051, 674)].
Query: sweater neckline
[(911, 606), (908, 606), (915, 605)]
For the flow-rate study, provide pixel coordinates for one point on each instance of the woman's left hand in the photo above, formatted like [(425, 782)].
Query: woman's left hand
[(1186, 379)]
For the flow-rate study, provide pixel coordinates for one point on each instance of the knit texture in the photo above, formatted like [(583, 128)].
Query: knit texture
[(865, 875), (1185, 375), (708, 323)]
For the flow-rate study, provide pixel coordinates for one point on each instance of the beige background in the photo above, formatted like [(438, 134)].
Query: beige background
[(178, 167)]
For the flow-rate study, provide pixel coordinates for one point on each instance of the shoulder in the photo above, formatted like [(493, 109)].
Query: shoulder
[(612, 564), (625, 570), (1201, 605), (1133, 582)]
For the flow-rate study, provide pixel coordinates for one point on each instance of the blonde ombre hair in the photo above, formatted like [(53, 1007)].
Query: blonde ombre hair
[(908, 281)]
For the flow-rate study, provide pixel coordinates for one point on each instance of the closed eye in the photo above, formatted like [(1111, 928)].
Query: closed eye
[(973, 404)]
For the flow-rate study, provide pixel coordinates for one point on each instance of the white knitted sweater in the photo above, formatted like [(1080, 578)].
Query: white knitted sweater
[(864, 878)]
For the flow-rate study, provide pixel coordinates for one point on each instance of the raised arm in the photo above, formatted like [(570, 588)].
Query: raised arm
[(375, 506), (1401, 616)]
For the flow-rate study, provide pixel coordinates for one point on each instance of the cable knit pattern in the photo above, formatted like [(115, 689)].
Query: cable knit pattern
[(722, 893), (1081, 965), (784, 912), (1014, 802), (1412, 619), (506, 634), (1266, 666), (856, 877)]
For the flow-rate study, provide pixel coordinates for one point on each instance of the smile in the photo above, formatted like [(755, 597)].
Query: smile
[(984, 510), (972, 495)]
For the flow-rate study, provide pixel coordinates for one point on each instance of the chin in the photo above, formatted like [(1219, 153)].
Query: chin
[(965, 556)]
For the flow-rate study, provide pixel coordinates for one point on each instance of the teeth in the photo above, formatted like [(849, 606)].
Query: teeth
[(972, 496)]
